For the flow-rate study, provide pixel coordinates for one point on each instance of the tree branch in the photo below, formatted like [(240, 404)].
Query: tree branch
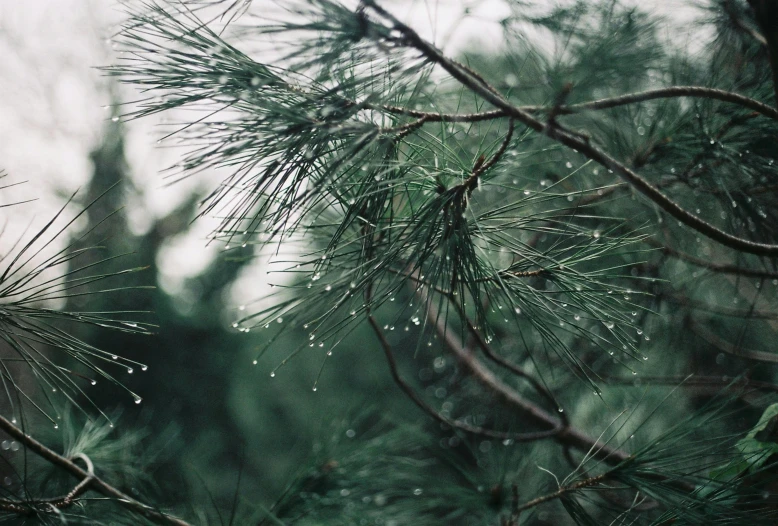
[(600, 104), (87, 477), (557, 427), (569, 436), (571, 140)]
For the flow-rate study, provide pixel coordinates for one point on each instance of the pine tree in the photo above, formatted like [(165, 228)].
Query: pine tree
[(564, 253)]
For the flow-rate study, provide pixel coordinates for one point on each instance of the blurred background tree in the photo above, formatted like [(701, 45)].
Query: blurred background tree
[(455, 264)]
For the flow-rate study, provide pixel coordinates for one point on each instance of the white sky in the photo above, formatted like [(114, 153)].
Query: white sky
[(51, 100)]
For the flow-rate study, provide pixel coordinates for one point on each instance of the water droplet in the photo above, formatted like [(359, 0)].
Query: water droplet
[(138, 399), (273, 374), (114, 119), (114, 357), (609, 324), (56, 426), (93, 382), (418, 491), (328, 288), (561, 410), (314, 388), (254, 362), (577, 317), (242, 307), (351, 433), (144, 368), (568, 164), (130, 370), (517, 310), (596, 234)]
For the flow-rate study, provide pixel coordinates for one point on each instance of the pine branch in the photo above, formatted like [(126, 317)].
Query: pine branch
[(89, 480), (567, 436), (577, 143), (672, 92)]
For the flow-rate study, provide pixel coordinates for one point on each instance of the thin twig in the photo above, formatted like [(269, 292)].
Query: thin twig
[(472, 182), (415, 398), (669, 92), (515, 369), (735, 350), (95, 482), (569, 436), (713, 267), (586, 483)]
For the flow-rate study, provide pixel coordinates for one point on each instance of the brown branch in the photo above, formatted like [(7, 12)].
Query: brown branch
[(557, 427), (472, 182), (699, 381), (416, 399), (670, 92), (571, 140), (713, 267), (719, 310), (586, 483), (93, 481), (734, 350), (515, 369), (569, 436)]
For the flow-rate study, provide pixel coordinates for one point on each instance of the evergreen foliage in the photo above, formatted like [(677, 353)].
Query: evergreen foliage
[(589, 210)]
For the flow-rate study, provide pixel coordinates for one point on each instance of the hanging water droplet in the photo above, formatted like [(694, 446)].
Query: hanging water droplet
[(328, 288), (314, 388), (561, 410), (138, 399), (144, 368), (114, 357), (130, 370), (114, 119), (93, 382)]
